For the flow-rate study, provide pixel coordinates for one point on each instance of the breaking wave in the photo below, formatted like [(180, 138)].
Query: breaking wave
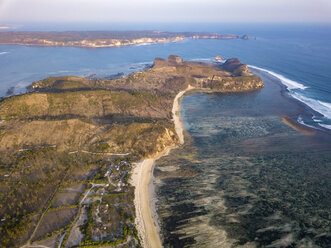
[(324, 108), (325, 126), (290, 84)]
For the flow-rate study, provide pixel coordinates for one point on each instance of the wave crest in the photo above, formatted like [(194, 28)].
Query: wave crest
[(290, 84), (325, 126), (324, 108)]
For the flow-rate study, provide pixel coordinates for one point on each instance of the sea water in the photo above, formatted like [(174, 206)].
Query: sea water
[(243, 177)]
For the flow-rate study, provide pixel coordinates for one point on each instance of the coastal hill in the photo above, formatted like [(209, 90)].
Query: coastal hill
[(167, 77), (66, 149), (103, 38)]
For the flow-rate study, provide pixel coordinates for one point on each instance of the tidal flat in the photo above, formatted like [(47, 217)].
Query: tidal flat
[(243, 177)]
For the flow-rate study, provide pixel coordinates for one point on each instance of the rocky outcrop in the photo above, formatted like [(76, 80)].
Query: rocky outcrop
[(245, 37), (175, 60), (159, 62), (218, 58), (235, 84), (236, 67)]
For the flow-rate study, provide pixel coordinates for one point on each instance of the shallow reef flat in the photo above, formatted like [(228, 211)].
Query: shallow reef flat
[(257, 182)]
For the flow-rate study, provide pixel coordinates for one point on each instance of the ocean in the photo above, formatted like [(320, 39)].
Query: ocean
[(244, 178)]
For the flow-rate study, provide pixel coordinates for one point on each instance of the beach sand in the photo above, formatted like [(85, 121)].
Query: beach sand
[(146, 217), (297, 126)]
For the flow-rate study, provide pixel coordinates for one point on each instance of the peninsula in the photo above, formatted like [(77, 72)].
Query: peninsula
[(97, 39), (70, 146)]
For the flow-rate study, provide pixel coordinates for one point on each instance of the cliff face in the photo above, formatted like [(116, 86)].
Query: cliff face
[(235, 84), (236, 67)]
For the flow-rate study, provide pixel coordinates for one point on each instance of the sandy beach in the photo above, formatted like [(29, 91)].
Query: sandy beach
[(146, 224)]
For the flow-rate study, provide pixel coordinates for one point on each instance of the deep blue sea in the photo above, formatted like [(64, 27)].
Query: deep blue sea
[(298, 55)]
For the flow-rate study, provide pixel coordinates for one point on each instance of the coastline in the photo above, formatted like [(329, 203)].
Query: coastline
[(104, 39), (146, 217), (83, 44), (297, 126)]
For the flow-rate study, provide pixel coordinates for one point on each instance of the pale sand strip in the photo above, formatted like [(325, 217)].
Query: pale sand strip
[(145, 223), (297, 126)]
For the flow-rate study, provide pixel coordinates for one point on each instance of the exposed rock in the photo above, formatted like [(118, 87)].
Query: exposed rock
[(245, 37), (236, 67), (231, 64), (176, 60), (235, 84), (173, 60), (218, 58), (159, 62)]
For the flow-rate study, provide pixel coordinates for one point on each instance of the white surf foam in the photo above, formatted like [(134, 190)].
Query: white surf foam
[(316, 119), (300, 120), (323, 108), (290, 84), (326, 104), (2, 53), (145, 44), (325, 126)]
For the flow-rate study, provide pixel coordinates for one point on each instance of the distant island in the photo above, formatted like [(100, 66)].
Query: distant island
[(76, 153), (98, 39)]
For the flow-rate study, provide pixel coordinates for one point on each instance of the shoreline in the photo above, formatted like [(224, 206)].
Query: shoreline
[(297, 126), (92, 45), (146, 216)]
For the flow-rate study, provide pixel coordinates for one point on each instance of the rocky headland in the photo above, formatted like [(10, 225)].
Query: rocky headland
[(85, 133), (98, 39)]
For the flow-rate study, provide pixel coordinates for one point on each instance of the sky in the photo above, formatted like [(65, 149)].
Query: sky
[(166, 11)]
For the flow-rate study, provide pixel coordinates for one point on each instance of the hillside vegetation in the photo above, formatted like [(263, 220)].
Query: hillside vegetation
[(70, 131)]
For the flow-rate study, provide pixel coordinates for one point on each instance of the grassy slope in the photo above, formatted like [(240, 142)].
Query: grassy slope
[(130, 115)]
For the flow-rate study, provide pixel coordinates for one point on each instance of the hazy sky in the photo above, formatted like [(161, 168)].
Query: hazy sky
[(20, 11)]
